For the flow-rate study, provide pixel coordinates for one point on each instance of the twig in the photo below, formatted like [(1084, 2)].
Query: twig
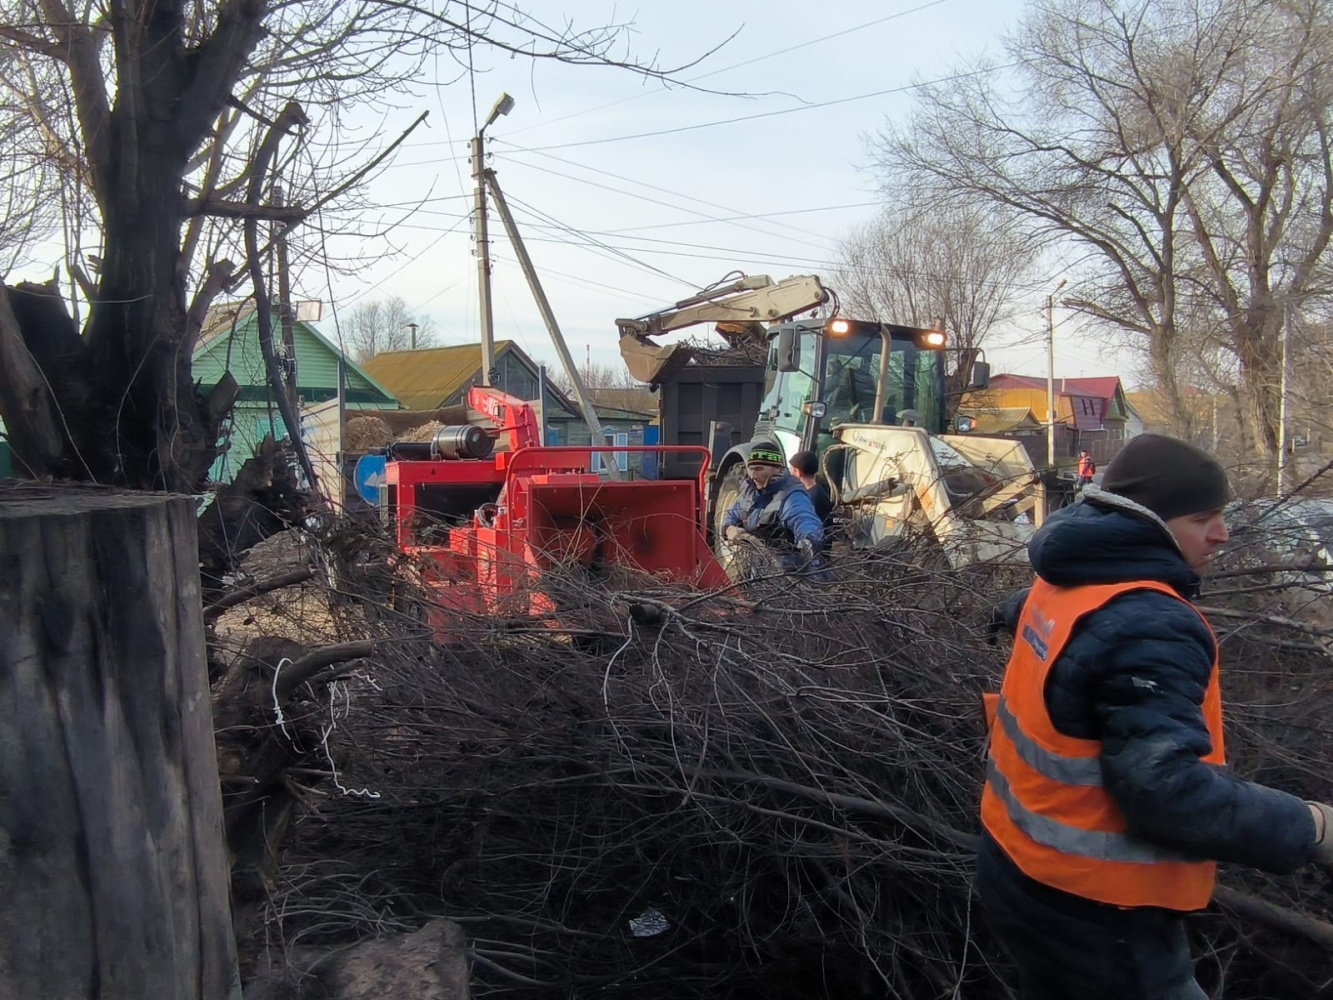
[(242, 594), (1272, 915), (313, 662)]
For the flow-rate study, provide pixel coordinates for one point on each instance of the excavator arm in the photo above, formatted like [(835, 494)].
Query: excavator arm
[(740, 310)]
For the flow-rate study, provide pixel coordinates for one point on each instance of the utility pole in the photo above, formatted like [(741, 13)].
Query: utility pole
[(1283, 475), (502, 106), (541, 400), (552, 327), (1050, 375), (285, 316)]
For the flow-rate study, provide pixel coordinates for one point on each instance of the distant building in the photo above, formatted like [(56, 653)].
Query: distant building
[(432, 377), (1091, 414), (625, 428), (229, 342), (1003, 421)]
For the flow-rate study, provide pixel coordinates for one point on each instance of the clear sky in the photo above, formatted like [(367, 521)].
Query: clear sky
[(632, 195)]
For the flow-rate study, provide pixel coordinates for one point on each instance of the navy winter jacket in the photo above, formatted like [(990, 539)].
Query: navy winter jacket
[(797, 516), (1133, 675)]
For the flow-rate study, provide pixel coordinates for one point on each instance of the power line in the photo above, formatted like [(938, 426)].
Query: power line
[(983, 71), (747, 62), (565, 227), (627, 230), (737, 218), (407, 263), (651, 187), (654, 201), (814, 106), (619, 290), (731, 254)]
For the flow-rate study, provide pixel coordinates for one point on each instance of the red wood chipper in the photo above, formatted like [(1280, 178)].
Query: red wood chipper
[(496, 530)]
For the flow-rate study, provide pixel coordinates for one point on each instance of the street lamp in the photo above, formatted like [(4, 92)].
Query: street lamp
[(1050, 375), (503, 105)]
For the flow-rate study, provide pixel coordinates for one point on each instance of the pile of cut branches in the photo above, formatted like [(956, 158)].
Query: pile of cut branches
[(769, 792)]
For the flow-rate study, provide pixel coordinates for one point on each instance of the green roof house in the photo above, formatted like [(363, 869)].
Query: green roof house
[(230, 342)]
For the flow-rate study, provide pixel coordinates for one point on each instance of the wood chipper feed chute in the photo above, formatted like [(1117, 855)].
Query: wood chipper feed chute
[(537, 519), (642, 525)]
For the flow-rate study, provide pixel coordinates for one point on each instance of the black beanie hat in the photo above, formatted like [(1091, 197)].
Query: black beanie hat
[(765, 451), (1168, 476)]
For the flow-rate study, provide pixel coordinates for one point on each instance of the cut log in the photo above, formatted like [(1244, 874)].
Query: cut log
[(113, 867)]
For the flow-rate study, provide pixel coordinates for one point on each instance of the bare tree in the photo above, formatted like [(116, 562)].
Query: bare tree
[(172, 145), (1178, 150), (936, 261), (386, 325), (607, 385)]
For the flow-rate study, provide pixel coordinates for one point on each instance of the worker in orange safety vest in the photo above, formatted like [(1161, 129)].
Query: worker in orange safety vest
[(1087, 468), (1107, 800)]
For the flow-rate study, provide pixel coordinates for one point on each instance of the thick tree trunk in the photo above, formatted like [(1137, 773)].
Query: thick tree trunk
[(113, 868), (1163, 358), (1260, 385), (137, 335)]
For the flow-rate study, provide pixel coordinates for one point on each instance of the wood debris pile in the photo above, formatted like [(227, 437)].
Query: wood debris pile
[(761, 794)]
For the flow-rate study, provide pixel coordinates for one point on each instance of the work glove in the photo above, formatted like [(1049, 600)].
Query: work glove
[(1323, 833), (733, 532), (806, 549)]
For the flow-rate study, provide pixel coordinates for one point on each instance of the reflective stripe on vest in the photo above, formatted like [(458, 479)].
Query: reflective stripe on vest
[(1044, 802)]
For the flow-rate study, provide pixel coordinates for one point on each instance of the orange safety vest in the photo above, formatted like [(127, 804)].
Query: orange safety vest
[(1044, 802), (1086, 468)]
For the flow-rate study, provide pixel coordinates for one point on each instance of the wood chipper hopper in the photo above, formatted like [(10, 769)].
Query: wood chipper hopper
[(506, 533)]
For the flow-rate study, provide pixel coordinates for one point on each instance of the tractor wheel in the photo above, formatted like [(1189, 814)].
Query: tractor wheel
[(728, 492)]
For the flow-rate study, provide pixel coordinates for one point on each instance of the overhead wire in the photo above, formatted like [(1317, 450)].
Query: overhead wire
[(630, 180), (903, 88), (592, 241), (811, 106), (735, 218), (746, 62), (619, 291), (407, 263), (657, 201), (623, 255), (826, 266)]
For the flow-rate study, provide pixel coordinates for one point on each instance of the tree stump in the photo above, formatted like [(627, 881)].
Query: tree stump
[(113, 868)]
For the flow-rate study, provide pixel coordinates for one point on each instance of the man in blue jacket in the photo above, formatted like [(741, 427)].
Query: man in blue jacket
[(776, 509), (1107, 797)]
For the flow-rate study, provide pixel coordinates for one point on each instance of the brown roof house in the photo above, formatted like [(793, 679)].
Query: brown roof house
[(1090, 413), (433, 377)]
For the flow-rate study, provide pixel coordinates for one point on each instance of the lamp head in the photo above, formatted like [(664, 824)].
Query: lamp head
[(503, 105)]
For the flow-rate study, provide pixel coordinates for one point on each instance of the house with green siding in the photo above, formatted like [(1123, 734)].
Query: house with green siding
[(230, 342)]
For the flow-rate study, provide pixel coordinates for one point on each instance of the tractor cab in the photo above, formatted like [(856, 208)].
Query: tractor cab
[(824, 374)]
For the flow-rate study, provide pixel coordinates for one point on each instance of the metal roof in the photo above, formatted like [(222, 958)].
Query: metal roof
[(1002, 419), (425, 378)]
